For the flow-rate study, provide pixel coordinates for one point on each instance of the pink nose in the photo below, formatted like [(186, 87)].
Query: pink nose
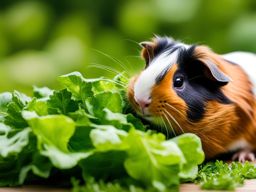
[(143, 103)]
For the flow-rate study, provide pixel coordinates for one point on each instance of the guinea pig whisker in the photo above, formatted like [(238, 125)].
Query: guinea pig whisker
[(174, 108), (107, 68), (159, 123), (117, 83), (177, 123), (132, 41), (166, 128), (112, 59), (182, 115), (170, 124)]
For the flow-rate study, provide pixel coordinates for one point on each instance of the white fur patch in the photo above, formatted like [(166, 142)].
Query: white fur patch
[(248, 63), (147, 79), (239, 144)]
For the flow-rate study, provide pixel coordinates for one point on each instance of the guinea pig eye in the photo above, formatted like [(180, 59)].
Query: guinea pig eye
[(178, 81)]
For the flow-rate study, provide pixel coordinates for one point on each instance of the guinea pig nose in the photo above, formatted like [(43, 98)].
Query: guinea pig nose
[(143, 103)]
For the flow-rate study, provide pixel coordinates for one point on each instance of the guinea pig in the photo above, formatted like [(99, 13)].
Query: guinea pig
[(189, 88)]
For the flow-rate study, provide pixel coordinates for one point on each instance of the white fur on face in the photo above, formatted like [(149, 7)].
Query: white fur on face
[(147, 79)]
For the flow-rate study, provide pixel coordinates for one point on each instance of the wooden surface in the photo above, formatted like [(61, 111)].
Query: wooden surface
[(250, 186)]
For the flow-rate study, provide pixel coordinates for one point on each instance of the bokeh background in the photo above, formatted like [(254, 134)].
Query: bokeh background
[(42, 39)]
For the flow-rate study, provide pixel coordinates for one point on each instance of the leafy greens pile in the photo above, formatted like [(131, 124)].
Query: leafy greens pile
[(223, 176), (85, 127)]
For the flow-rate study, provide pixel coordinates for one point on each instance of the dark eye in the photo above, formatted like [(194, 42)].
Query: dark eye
[(178, 81)]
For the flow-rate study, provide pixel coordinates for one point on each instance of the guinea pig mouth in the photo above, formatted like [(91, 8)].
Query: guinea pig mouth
[(152, 118), (143, 114), (148, 117)]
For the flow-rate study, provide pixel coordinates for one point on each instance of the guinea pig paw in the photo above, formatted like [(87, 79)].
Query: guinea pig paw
[(244, 155)]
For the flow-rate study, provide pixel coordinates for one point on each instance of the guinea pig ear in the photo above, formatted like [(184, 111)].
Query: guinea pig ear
[(214, 72), (147, 51), (212, 63)]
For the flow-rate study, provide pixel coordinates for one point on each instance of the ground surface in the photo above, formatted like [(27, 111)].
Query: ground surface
[(250, 186)]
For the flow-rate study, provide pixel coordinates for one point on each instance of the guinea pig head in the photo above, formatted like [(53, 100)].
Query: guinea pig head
[(177, 83)]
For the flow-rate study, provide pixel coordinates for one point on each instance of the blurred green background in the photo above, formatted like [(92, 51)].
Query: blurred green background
[(42, 39)]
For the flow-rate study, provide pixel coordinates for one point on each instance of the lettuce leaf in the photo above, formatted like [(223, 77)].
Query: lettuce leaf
[(11, 141), (5, 99), (152, 160), (53, 133), (109, 100), (191, 148), (60, 102), (42, 92), (85, 127), (14, 108)]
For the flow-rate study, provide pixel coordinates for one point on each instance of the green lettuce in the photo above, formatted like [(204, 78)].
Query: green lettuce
[(86, 127), (53, 133), (225, 176), (11, 141), (153, 160)]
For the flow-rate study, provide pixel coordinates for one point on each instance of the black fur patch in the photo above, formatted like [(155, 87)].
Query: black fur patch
[(198, 89), (165, 44), (196, 93), (186, 55), (161, 76)]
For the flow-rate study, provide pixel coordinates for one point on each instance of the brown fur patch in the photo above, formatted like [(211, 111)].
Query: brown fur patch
[(148, 51), (222, 124)]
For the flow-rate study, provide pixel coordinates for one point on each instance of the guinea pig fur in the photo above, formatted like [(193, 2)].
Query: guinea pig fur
[(189, 88)]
